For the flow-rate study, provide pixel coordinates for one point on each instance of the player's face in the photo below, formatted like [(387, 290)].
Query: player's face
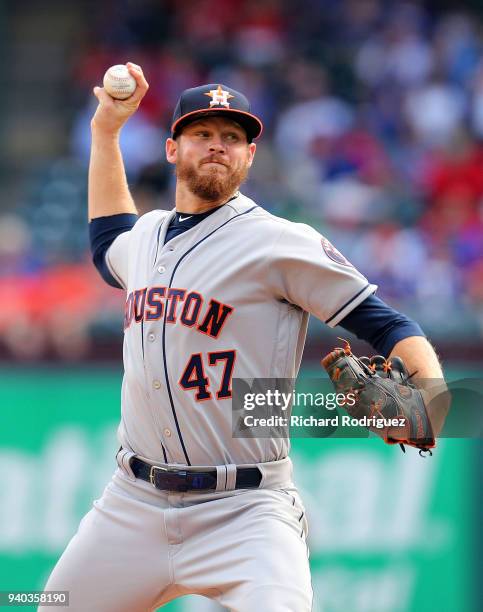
[(212, 157)]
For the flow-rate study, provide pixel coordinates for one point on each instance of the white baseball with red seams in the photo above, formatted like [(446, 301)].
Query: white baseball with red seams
[(118, 83)]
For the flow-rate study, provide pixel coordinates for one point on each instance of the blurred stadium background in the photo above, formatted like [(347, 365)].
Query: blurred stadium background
[(373, 114)]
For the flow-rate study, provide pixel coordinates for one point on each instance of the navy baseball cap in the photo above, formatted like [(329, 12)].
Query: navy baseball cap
[(215, 100)]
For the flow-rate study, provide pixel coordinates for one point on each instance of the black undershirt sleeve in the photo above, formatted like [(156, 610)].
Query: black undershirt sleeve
[(102, 233), (380, 325)]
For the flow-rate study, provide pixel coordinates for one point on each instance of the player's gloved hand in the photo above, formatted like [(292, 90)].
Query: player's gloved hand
[(382, 390), (112, 114)]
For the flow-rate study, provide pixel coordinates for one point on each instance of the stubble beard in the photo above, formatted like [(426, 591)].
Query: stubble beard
[(212, 185)]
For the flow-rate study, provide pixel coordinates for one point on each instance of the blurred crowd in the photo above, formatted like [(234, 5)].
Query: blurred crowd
[(373, 114)]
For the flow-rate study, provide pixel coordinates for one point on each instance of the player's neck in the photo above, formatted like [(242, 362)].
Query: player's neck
[(188, 203)]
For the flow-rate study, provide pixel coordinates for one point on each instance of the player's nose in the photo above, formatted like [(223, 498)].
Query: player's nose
[(217, 145)]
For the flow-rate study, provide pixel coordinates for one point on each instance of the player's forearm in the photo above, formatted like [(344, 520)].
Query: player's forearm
[(421, 359), (418, 356), (108, 187)]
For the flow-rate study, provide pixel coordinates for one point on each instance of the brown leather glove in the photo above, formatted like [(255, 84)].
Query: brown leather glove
[(393, 407)]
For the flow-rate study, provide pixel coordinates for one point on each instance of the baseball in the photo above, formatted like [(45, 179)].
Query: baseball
[(118, 83)]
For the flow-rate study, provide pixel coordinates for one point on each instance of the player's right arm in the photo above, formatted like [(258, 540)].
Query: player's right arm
[(108, 188), (112, 212)]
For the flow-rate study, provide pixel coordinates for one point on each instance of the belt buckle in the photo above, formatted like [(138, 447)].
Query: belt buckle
[(180, 475), (152, 474)]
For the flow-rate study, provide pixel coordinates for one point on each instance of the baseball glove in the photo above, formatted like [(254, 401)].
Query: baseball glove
[(384, 400)]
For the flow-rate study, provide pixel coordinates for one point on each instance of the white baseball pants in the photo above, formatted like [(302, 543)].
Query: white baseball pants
[(139, 548)]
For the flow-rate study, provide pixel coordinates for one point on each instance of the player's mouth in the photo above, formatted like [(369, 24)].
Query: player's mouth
[(215, 162)]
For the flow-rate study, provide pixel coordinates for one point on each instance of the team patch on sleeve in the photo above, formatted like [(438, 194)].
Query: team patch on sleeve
[(333, 253)]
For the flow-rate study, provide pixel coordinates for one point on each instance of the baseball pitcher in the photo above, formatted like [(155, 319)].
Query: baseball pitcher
[(216, 288)]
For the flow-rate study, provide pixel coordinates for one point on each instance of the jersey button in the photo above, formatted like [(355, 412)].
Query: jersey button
[(156, 384), (161, 269), (167, 433), (151, 337)]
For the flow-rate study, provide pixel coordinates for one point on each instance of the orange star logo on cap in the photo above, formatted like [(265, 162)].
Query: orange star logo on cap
[(219, 97)]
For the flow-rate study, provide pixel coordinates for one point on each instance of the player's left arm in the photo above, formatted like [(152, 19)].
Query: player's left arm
[(392, 334), (305, 269)]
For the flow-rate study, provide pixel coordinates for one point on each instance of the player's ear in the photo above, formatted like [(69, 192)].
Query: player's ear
[(252, 147), (171, 150)]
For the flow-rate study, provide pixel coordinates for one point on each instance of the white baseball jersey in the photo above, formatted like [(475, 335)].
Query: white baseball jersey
[(228, 298)]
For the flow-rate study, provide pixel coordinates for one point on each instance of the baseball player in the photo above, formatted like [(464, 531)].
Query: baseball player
[(216, 288)]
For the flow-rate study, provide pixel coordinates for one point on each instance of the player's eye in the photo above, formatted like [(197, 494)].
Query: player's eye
[(233, 137)]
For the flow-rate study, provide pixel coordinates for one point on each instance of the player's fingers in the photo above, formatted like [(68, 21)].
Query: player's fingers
[(136, 72), (135, 66)]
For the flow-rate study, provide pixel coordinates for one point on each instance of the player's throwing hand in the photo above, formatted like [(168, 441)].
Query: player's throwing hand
[(112, 114)]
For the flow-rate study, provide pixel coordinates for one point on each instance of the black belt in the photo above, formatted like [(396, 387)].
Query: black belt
[(177, 479)]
